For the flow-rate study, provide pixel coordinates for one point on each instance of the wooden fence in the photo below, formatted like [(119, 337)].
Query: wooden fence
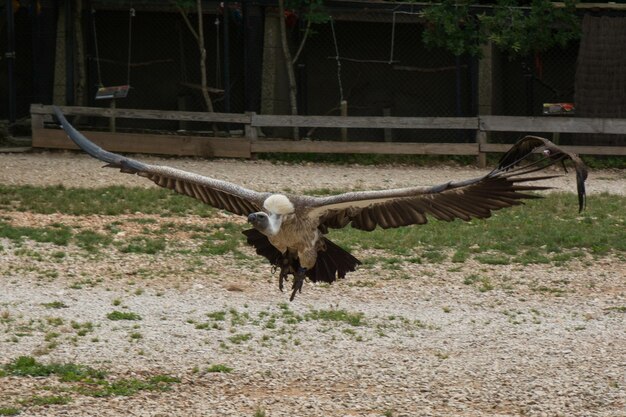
[(250, 143)]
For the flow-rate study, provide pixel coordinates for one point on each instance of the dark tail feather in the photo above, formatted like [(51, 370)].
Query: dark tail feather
[(332, 262)]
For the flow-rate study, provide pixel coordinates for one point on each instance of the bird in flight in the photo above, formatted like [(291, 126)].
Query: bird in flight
[(290, 230)]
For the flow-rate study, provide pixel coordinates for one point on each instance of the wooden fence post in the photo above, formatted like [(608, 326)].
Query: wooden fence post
[(344, 113), (249, 130), (481, 139)]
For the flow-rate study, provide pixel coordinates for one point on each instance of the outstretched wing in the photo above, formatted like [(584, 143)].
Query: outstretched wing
[(219, 194), (473, 198)]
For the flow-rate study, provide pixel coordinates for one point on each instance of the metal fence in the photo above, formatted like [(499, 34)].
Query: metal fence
[(375, 61), (164, 65)]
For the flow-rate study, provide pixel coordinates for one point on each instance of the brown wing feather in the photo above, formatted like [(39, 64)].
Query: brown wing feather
[(219, 194), (474, 198)]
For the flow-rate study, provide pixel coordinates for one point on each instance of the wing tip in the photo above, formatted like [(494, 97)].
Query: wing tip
[(552, 154)]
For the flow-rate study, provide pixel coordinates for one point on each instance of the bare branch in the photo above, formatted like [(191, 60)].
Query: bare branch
[(304, 38)]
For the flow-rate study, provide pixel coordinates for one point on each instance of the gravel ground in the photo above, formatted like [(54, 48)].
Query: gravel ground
[(547, 340)]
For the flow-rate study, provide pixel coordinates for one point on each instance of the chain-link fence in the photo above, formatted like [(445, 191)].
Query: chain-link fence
[(163, 66), (381, 68), (374, 60)]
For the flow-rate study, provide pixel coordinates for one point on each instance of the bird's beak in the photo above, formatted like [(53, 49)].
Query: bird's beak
[(252, 218)]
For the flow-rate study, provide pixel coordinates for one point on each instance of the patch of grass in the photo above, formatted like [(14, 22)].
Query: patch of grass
[(92, 241), (240, 338), (557, 292), (220, 368), (90, 382), (483, 283), (535, 229), (369, 159), (460, 255), (28, 366), (9, 411), (143, 244), (57, 235), (217, 315), (127, 387), (55, 304), (532, 256), (259, 412), (353, 319), (223, 238), (123, 315), (493, 259), (114, 200), (47, 400)]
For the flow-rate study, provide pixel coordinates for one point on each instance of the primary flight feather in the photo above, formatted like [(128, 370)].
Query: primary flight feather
[(289, 229)]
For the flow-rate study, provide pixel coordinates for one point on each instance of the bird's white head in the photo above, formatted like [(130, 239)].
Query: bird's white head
[(278, 204)]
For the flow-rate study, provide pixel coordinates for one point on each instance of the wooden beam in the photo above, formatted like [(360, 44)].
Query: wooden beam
[(149, 143), (305, 146), (378, 122), (145, 114), (552, 124), (581, 150)]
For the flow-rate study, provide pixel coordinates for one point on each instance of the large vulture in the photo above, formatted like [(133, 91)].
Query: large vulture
[(289, 230)]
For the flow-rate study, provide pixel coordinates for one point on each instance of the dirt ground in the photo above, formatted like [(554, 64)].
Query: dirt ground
[(410, 339)]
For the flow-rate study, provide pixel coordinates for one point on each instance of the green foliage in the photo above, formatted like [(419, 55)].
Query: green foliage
[(341, 315), (60, 235), (369, 159), (185, 4), (9, 411), (92, 382), (240, 338), (312, 11), (220, 368), (217, 315), (516, 31), (142, 244), (127, 387), (451, 25), (28, 366), (114, 200), (47, 400), (55, 304), (123, 315), (530, 233)]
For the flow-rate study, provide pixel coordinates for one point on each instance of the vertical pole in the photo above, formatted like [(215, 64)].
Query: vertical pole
[(226, 38), (344, 113), (10, 57), (481, 139), (459, 104), (253, 55), (69, 53)]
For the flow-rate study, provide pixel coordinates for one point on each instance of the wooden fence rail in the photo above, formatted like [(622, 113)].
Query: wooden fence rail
[(250, 143)]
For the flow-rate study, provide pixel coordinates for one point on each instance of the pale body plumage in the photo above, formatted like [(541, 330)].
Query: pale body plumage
[(289, 229)]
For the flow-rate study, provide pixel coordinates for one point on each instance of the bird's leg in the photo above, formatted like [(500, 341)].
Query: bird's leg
[(285, 269), (281, 278), (298, 280)]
